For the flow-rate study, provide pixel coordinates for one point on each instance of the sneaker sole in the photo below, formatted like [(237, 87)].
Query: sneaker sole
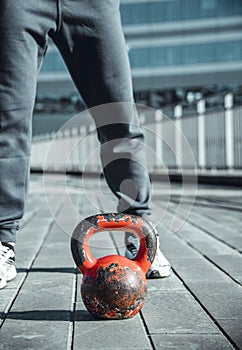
[(12, 273), (3, 283), (155, 275)]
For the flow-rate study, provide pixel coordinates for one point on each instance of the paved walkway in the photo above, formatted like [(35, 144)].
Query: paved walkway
[(198, 307)]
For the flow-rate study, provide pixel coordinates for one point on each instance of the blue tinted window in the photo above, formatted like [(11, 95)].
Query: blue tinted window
[(176, 10), (189, 54), (174, 55), (208, 8), (53, 62), (156, 12), (229, 51), (206, 53), (189, 9), (157, 56), (226, 8), (135, 13), (173, 10), (238, 7), (186, 54), (140, 57)]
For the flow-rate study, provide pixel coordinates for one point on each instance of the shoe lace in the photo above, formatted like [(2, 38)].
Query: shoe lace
[(132, 248), (5, 253)]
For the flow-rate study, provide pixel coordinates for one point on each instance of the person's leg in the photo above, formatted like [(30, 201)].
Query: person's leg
[(22, 37), (92, 44)]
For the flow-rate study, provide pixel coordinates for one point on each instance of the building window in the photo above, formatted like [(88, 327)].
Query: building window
[(53, 62), (229, 51), (172, 10), (177, 10), (186, 54)]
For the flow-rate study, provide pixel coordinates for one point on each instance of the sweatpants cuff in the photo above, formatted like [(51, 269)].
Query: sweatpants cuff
[(7, 235)]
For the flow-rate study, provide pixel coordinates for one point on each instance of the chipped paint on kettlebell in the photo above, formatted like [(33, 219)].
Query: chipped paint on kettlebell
[(116, 288), (113, 287)]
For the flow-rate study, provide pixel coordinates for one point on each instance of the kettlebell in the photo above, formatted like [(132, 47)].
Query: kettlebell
[(113, 286)]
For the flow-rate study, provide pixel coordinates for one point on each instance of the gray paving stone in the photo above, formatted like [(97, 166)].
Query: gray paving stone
[(40, 316), (179, 249), (101, 244), (234, 226), (231, 263), (235, 241), (45, 290), (175, 312), (221, 299), (198, 270), (94, 334), (26, 253), (119, 238), (190, 233), (238, 279), (209, 246), (190, 342), (203, 241), (34, 334), (56, 252), (26, 250), (6, 297), (61, 258), (34, 229), (220, 231), (25, 257), (229, 218), (171, 283), (8, 294), (233, 327)]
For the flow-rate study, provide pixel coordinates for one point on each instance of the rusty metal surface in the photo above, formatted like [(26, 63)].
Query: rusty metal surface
[(113, 286)]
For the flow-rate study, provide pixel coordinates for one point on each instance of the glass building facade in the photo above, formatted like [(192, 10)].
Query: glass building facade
[(138, 12), (171, 43), (186, 54)]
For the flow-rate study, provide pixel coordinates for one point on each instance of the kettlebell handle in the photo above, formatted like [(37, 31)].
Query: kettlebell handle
[(110, 222)]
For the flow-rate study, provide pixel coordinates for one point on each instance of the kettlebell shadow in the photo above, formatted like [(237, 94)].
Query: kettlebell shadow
[(52, 315)]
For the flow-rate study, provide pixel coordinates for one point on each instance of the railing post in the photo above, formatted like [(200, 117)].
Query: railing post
[(142, 118), (178, 112), (201, 107), (82, 146), (229, 130), (74, 157), (158, 139)]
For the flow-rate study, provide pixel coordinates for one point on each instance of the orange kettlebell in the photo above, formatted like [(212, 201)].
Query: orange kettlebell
[(113, 286)]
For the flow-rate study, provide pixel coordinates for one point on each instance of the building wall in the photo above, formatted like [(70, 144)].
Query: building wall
[(184, 42), (171, 43)]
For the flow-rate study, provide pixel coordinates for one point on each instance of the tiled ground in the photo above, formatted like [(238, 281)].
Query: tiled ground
[(198, 307)]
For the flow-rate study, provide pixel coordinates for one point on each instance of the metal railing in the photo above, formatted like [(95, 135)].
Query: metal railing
[(214, 140)]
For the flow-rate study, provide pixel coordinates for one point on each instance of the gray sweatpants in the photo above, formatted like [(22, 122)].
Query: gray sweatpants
[(89, 37)]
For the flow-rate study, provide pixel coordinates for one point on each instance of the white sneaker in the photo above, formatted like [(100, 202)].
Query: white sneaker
[(160, 267), (7, 265)]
